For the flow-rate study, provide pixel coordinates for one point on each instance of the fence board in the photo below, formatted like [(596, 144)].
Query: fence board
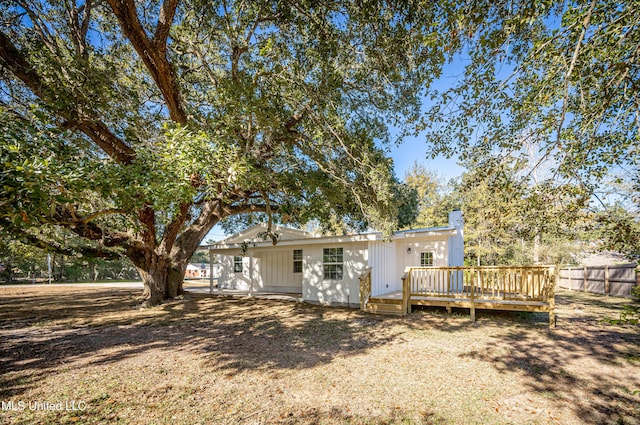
[(617, 280)]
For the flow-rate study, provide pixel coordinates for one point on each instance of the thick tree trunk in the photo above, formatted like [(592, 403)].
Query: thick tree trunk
[(162, 282), (162, 265), (162, 277), (536, 249)]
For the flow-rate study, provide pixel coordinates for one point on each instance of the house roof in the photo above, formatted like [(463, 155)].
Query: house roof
[(426, 230), (288, 237), (603, 258)]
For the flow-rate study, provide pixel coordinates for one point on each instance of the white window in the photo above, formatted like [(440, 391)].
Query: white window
[(237, 264), (297, 261), (426, 259), (332, 261)]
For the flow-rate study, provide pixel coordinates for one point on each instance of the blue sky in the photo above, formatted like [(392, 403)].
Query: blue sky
[(415, 149)]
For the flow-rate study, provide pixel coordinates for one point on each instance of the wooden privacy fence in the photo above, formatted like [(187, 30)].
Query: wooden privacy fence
[(616, 280), (529, 288)]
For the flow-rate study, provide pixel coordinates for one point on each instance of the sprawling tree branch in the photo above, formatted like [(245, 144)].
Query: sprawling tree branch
[(190, 237), (93, 252), (167, 12), (13, 60), (153, 52), (79, 18), (54, 247), (87, 229), (173, 229)]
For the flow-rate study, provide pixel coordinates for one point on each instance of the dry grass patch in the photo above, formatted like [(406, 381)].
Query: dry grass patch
[(227, 361)]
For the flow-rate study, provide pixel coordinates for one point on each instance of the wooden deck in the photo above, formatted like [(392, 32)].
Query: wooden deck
[(492, 288)]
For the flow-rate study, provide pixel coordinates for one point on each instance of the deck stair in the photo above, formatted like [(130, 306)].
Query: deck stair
[(389, 307)]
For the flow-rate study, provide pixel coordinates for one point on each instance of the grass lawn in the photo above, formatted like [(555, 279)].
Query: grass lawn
[(245, 361)]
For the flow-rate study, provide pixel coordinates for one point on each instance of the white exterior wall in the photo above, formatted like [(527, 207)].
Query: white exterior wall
[(274, 271), (346, 291), (385, 276), (435, 244), (230, 280)]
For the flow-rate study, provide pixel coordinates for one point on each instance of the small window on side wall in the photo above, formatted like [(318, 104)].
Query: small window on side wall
[(426, 259), (237, 264), (297, 261)]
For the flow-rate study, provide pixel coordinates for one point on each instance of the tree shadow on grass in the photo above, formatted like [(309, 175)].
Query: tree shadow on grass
[(597, 306), (41, 334), (589, 369), (32, 307), (315, 416), (585, 364)]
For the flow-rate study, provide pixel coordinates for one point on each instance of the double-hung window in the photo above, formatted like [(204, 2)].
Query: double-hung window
[(333, 263), (237, 264), (297, 261)]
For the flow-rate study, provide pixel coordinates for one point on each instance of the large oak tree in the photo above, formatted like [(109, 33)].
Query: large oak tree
[(563, 75), (132, 128)]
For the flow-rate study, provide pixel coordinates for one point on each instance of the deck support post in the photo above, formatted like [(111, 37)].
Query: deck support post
[(472, 295), (449, 309), (406, 292), (365, 288)]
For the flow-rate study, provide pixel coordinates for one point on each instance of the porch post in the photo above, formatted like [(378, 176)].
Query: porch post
[(251, 273), (211, 271)]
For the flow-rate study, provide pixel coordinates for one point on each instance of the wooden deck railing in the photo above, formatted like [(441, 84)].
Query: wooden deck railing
[(506, 286), (365, 288)]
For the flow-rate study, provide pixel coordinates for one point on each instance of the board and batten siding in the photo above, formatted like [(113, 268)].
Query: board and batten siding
[(385, 276), (274, 271), (345, 291), (411, 258)]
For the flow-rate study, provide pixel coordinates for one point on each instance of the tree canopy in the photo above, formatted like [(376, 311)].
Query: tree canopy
[(561, 74), (133, 128)]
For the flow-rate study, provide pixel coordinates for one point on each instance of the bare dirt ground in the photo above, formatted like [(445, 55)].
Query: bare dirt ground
[(88, 355)]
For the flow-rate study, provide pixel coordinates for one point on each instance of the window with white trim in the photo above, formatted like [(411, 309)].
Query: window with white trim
[(426, 259), (237, 264), (333, 263), (297, 261)]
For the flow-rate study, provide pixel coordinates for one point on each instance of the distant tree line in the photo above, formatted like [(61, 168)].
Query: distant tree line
[(514, 215), (24, 263)]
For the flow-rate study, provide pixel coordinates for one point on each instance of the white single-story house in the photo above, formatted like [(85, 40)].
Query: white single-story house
[(326, 269)]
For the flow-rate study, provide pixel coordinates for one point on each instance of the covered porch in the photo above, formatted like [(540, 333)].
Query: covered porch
[(530, 288)]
